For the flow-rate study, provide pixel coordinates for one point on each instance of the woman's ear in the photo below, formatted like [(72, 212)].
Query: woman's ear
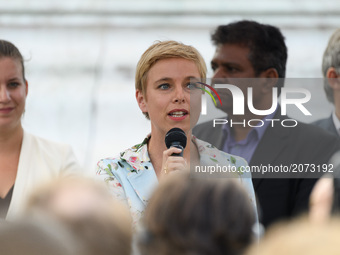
[(141, 100), (26, 85)]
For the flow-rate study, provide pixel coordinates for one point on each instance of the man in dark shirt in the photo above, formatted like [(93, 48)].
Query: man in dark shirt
[(247, 49)]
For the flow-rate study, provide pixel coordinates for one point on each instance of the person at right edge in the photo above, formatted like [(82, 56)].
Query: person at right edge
[(247, 49), (331, 73)]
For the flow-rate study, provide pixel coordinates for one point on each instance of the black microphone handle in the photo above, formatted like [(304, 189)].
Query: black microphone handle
[(179, 146)]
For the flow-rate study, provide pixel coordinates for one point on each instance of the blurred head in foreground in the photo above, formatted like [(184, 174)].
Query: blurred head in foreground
[(197, 216), (31, 238), (321, 200), (300, 237), (88, 210)]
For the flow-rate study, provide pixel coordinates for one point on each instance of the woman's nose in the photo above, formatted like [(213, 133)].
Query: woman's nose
[(4, 94), (179, 94)]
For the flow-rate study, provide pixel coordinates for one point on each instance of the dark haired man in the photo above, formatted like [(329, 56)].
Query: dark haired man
[(247, 49)]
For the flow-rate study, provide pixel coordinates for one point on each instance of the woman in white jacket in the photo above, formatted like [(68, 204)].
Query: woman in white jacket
[(25, 160)]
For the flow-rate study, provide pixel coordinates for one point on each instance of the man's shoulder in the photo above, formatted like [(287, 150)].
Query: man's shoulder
[(327, 124), (301, 139), (321, 122), (207, 132), (315, 130), (206, 127), (308, 129), (205, 124)]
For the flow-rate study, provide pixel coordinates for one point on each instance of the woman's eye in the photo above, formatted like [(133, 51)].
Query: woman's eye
[(164, 86), (192, 86), (13, 84)]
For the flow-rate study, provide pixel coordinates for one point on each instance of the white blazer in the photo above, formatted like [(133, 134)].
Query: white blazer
[(40, 161)]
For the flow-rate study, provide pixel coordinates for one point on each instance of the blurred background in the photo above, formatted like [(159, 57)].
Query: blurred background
[(81, 57)]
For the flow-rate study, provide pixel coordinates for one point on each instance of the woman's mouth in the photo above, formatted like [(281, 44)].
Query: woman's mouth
[(6, 110), (178, 114)]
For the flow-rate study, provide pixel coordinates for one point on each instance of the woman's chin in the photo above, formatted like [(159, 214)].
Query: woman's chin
[(8, 127)]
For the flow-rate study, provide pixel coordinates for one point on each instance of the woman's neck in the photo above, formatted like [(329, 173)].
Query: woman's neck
[(10, 140)]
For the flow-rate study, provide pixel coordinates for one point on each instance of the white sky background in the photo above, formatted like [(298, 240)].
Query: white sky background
[(81, 57)]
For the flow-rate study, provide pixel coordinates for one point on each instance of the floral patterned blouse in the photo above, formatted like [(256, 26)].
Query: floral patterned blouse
[(131, 176)]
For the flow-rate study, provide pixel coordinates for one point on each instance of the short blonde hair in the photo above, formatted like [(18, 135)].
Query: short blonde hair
[(164, 50)]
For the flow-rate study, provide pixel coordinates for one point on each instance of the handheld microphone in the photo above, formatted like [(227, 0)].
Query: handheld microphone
[(176, 138)]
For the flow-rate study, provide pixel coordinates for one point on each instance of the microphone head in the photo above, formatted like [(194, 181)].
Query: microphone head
[(175, 135)]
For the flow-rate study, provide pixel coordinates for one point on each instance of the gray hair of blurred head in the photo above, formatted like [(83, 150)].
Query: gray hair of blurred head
[(331, 58)]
